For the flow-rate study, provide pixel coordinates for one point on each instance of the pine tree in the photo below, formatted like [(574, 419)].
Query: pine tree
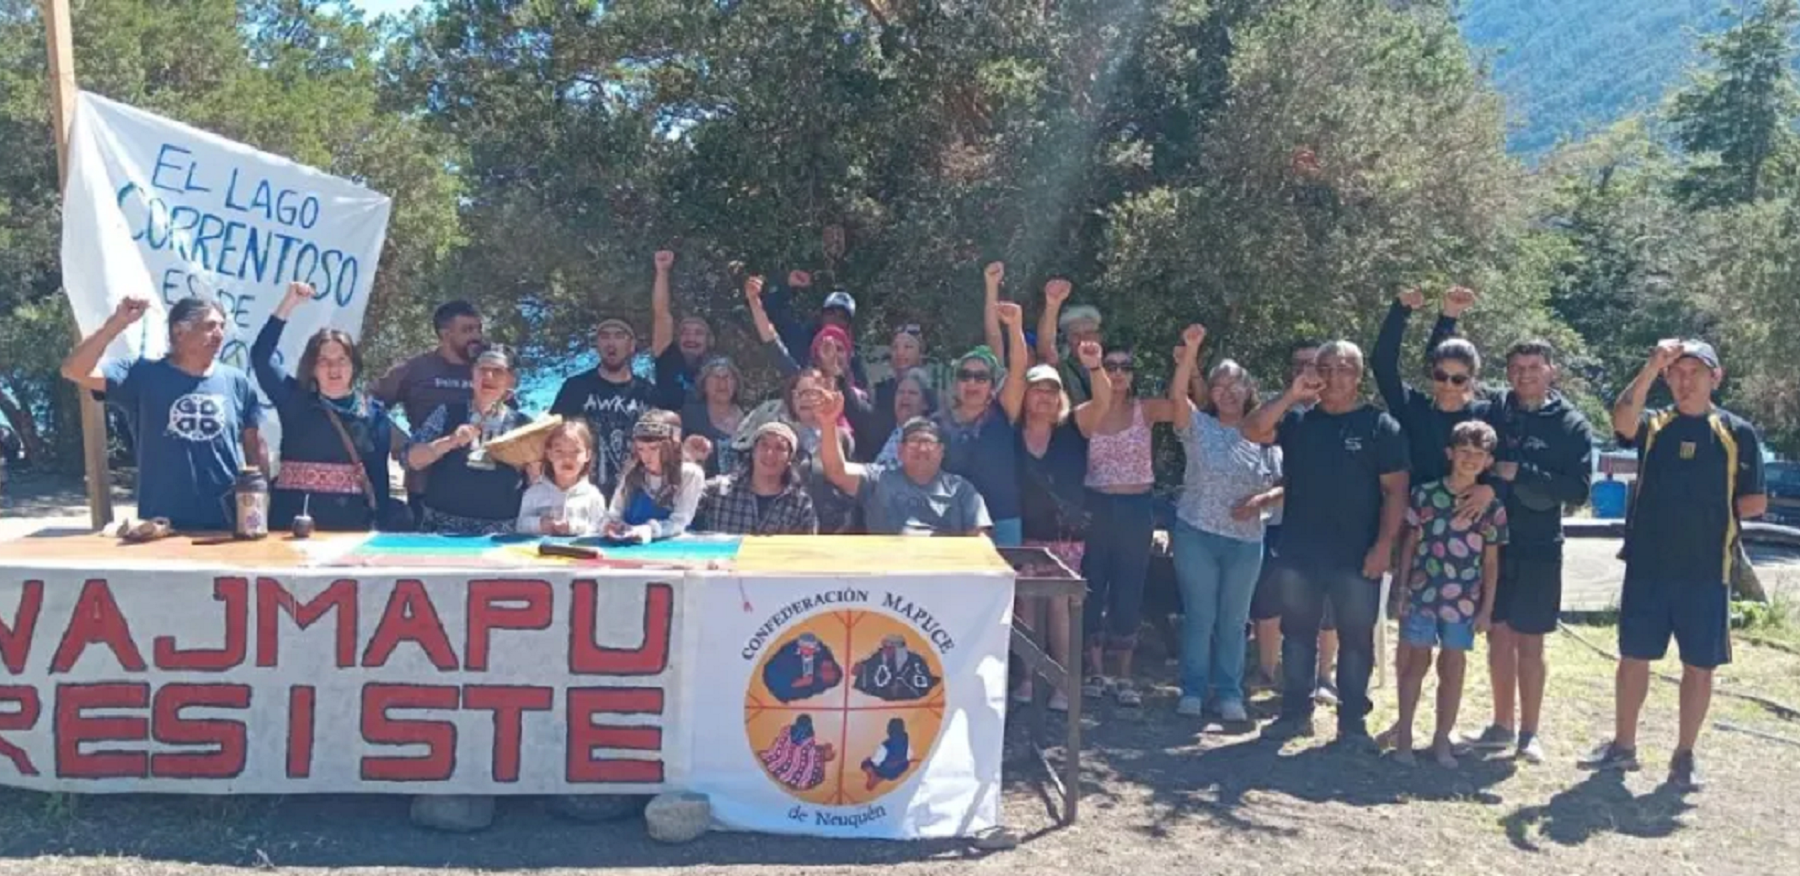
[(1735, 118)]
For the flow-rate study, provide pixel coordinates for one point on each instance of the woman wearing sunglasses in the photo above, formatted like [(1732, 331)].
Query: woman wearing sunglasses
[(1122, 518), (1428, 417), (978, 419)]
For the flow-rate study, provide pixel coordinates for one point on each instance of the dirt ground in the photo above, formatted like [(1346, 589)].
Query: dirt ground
[(1162, 795)]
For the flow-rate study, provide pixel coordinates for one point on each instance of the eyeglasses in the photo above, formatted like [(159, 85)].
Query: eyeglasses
[(974, 376), (1116, 367), (1447, 377)]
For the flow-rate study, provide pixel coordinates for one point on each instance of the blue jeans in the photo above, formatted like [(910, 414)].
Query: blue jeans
[(1116, 561), (1305, 590), (1217, 576)]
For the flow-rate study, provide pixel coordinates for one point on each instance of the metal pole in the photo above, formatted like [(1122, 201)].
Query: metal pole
[(62, 113)]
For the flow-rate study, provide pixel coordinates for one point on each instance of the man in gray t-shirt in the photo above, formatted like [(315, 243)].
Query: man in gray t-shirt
[(915, 497)]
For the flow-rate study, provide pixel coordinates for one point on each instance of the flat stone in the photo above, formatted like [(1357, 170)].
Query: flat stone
[(457, 813), (679, 817), (598, 808)]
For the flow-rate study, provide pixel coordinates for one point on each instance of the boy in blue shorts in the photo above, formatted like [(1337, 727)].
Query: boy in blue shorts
[(1450, 586)]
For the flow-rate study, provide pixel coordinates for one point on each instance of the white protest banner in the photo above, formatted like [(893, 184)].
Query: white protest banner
[(158, 209), (333, 681), (865, 706)]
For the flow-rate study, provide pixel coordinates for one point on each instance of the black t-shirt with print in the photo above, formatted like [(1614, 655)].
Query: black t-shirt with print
[(611, 410), (1682, 519), (1331, 515)]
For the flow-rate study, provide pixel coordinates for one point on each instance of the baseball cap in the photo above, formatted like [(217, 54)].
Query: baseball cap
[(1701, 350), (1043, 373), (841, 300)]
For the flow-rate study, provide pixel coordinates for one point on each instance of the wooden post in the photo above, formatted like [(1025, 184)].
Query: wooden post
[(62, 114)]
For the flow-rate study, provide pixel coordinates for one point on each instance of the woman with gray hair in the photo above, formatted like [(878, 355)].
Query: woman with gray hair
[(716, 413), (1230, 486), (913, 397)]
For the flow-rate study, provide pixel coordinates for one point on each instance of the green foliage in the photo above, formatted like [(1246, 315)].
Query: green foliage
[(295, 77), (1735, 119), (1272, 168)]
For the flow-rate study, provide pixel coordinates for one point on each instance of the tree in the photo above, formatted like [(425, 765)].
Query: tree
[(294, 77), (1735, 118)]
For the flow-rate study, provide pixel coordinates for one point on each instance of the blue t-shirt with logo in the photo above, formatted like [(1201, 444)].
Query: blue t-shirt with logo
[(189, 432)]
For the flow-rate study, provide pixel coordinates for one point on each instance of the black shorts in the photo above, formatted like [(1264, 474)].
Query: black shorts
[(1529, 596), (1696, 614)]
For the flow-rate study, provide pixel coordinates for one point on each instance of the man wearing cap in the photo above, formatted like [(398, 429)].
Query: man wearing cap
[(1700, 472), (611, 398), (839, 309), (680, 348), (1077, 325), (916, 497), (764, 495)]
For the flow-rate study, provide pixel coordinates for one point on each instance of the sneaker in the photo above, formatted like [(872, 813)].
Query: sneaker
[(1190, 707), (1494, 738), (1127, 694), (1260, 681), (1684, 773), (1096, 686), (1326, 695), (1609, 755), (1530, 750), (1059, 702), (1233, 712), (1284, 728)]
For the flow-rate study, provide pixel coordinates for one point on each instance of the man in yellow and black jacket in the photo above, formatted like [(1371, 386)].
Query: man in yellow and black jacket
[(1700, 472)]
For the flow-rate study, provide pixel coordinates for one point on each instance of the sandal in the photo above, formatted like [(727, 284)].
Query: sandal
[(1127, 695)]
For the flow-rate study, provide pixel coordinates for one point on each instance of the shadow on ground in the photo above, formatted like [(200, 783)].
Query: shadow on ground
[(1600, 804)]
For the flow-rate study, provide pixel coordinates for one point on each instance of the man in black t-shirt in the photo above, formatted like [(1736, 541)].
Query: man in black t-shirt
[(679, 348), (610, 398), (1700, 471), (1346, 473)]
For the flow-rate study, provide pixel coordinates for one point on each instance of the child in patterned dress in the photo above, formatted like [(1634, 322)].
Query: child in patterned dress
[(1450, 579)]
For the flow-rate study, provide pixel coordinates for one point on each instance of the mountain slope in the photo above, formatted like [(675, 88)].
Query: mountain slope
[(1569, 66)]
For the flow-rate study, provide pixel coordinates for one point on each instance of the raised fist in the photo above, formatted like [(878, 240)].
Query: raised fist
[(298, 294), (1458, 300), (131, 309), (1089, 355), (1010, 313), (665, 259), (1667, 351), (995, 272), (831, 406), (799, 279), (1411, 298), (1193, 336), (1306, 387), (1057, 291), (753, 289)]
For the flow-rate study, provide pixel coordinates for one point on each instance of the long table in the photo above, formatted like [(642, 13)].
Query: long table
[(838, 686)]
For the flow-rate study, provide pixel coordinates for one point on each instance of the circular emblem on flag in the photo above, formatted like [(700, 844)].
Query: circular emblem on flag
[(843, 706)]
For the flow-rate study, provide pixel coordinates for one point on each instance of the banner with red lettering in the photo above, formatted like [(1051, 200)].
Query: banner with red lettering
[(541, 682), (866, 706)]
